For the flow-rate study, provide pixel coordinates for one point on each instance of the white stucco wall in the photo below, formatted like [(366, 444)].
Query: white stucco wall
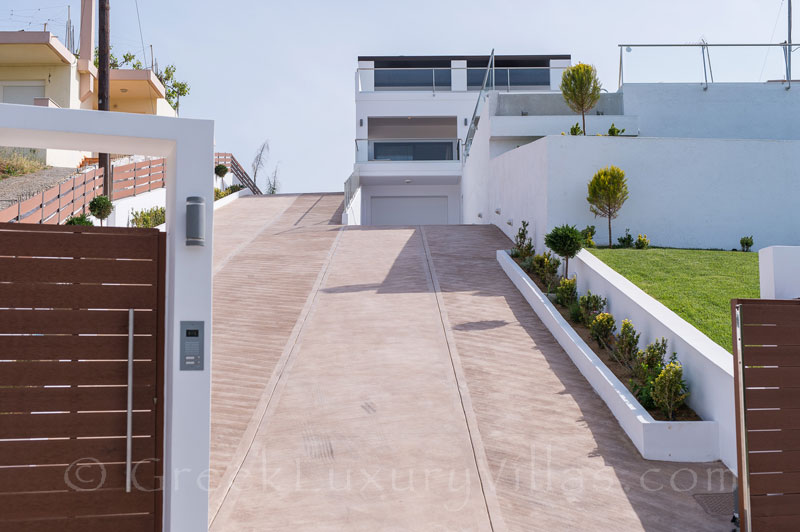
[(707, 367), (704, 193), (725, 110), (779, 272)]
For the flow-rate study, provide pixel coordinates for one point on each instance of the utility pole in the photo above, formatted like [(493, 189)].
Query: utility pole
[(103, 72)]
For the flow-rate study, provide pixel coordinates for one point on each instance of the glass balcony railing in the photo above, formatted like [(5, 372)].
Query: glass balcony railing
[(454, 79), (407, 150)]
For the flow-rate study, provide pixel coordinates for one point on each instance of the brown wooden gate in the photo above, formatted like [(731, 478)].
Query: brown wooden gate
[(65, 299), (766, 339)]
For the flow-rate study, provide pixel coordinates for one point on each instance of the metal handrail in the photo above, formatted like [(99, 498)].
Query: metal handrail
[(455, 140), (129, 433), (473, 124), (704, 46)]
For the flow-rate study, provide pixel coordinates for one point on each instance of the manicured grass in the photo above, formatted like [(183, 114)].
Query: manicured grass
[(698, 285)]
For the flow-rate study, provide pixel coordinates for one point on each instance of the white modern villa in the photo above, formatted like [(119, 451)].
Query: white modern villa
[(480, 139)]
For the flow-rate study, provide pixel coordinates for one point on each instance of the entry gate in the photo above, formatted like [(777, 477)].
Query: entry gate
[(81, 374), (766, 339)]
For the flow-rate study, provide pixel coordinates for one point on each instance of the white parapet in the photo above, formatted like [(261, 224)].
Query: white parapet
[(779, 272)]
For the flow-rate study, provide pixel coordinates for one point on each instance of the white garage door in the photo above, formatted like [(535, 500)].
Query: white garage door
[(409, 210)]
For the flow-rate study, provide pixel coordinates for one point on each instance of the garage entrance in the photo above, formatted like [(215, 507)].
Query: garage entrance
[(408, 210)]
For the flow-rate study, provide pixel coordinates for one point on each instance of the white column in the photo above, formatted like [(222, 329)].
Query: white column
[(458, 78), (557, 67), (366, 78), (779, 272)]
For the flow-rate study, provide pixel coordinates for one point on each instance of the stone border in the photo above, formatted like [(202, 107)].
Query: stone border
[(678, 441)]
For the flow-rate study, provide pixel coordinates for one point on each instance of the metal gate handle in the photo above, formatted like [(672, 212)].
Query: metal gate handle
[(129, 434)]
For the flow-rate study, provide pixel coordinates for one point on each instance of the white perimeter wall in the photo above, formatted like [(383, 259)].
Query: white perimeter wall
[(704, 193), (725, 110)]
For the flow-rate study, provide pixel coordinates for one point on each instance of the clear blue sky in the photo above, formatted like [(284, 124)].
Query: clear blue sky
[(284, 70)]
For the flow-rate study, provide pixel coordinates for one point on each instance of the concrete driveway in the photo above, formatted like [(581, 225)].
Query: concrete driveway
[(393, 379)]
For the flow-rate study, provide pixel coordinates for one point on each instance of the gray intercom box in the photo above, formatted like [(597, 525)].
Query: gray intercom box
[(192, 345)]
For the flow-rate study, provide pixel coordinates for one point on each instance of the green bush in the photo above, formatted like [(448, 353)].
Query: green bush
[(627, 240), (626, 349), (647, 367), (642, 242), (746, 242), (575, 313), (566, 241), (100, 207), (221, 193), (602, 329), (81, 219), (523, 244), (614, 131), (669, 390), (567, 292), (588, 233), (220, 170), (149, 217), (528, 265), (576, 129), (591, 305), (545, 265)]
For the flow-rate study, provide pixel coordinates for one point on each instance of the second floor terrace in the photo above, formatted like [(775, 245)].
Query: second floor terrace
[(459, 73)]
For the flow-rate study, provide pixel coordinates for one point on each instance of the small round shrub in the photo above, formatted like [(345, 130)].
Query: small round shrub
[(100, 207), (642, 242), (220, 170), (567, 291), (603, 328), (669, 390), (81, 219)]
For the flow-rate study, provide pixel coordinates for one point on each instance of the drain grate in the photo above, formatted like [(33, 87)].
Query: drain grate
[(716, 503)]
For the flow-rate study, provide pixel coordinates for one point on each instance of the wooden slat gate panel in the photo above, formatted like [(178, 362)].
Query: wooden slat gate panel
[(766, 340), (65, 295)]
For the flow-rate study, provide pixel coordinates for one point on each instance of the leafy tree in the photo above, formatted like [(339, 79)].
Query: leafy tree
[(608, 191), (221, 170), (581, 89), (566, 241), (101, 208)]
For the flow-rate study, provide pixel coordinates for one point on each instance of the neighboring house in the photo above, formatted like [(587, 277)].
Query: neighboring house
[(37, 69), (411, 116), (706, 162)]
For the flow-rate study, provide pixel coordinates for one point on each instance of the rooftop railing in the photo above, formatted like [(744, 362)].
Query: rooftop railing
[(443, 79), (706, 63)]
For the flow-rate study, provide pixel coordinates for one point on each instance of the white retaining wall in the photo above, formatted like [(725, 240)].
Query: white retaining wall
[(675, 441), (779, 272), (704, 193), (707, 367)]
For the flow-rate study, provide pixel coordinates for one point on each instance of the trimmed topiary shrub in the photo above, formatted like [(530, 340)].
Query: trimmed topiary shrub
[(669, 389), (602, 329), (101, 208), (220, 170), (566, 241)]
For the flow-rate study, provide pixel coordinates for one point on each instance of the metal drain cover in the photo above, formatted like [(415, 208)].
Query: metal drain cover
[(716, 503)]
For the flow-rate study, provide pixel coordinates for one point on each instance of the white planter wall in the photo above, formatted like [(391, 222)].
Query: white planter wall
[(707, 367), (674, 441)]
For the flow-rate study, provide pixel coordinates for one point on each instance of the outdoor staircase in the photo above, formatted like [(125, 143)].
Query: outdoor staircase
[(233, 165)]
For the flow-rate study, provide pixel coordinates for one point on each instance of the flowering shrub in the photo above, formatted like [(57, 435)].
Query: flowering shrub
[(642, 242), (545, 265), (603, 328), (567, 291), (669, 389), (647, 367)]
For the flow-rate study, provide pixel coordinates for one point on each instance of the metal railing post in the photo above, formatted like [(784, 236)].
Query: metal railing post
[(705, 73), (433, 78), (619, 83)]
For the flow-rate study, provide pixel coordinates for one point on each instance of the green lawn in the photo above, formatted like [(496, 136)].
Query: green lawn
[(698, 285)]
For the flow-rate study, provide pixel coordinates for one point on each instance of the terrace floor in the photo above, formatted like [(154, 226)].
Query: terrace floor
[(388, 379)]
